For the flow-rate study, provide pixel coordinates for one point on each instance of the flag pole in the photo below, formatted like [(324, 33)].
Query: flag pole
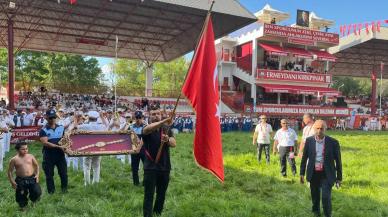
[(381, 84), (115, 74), (204, 27)]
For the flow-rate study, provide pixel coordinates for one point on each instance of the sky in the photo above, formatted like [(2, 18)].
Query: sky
[(341, 11)]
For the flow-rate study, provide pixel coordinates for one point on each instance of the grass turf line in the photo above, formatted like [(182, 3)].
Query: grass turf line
[(250, 189)]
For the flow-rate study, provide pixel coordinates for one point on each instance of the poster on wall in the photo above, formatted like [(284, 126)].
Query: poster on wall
[(303, 18)]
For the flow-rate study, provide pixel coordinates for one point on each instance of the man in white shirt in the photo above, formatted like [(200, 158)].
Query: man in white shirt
[(261, 138), (29, 117), (285, 139), (307, 131)]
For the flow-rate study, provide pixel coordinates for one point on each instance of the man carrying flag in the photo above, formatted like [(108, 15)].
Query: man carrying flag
[(156, 170), (201, 89)]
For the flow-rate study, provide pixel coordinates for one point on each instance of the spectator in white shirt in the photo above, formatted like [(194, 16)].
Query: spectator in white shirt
[(261, 138), (307, 131), (29, 117), (285, 139)]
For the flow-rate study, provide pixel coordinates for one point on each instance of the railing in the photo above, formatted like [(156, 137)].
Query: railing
[(226, 57), (235, 101), (245, 63), (161, 93)]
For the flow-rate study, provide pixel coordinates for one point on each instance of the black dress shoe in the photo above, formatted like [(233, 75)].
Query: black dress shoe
[(317, 214)]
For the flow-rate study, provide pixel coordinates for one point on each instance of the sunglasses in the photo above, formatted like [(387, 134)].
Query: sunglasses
[(284, 123)]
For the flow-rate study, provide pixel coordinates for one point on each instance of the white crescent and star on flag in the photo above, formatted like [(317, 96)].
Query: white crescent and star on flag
[(218, 109)]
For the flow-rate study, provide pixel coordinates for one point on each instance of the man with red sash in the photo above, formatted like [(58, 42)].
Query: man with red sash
[(156, 171)]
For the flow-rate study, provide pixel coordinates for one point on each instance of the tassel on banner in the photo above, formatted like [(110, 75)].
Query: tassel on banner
[(359, 28), (367, 28), (385, 21), (373, 27), (342, 30)]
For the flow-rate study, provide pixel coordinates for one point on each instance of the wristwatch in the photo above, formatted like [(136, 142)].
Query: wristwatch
[(101, 144)]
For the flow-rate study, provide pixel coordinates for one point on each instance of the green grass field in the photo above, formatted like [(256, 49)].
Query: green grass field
[(250, 189)]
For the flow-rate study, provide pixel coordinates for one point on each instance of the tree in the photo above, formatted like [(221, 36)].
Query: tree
[(347, 85), (3, 66), (30, 68), (167, 77), (73, 73), (130, 77)]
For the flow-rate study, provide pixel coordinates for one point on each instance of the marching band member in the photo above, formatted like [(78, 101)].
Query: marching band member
[(10, 125), (3, 131)]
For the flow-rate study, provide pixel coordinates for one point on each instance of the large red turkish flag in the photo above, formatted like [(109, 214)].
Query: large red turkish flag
[(201, 89)]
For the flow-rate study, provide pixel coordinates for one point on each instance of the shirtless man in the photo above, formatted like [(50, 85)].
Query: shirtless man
[(27, 175)]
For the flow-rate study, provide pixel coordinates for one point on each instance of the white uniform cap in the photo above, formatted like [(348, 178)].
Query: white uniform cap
[(93, 114)]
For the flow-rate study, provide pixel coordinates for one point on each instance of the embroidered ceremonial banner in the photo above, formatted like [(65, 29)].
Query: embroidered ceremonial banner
[(83, 143)]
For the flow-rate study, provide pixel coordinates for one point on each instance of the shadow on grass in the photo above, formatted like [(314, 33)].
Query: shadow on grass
[(277, 196), (350, 149)]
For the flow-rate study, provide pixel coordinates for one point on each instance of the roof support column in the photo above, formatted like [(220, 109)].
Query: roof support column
[(11, 66), (374, 95), (149, 79), (254, 72), (254, 59)]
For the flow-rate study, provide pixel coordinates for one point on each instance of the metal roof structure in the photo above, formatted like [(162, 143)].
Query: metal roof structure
[(318, 23), (152, 30), (360, 55), (266, 15)]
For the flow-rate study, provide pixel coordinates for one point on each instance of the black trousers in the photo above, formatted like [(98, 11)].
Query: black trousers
[(320, 184), (48, 164), (135, 164), (260, 148), (155, 181), (27, 187), (284, 153)]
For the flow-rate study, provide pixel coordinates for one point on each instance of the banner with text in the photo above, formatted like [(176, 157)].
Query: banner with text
[(300, 35), (283, 110), (292, 76), (25, 133)]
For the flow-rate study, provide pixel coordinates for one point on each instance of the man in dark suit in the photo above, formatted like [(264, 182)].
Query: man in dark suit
[(324, 167)]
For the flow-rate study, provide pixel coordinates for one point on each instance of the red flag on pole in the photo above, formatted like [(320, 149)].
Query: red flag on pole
[(367, 28), (201, 89), (355, 29)]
